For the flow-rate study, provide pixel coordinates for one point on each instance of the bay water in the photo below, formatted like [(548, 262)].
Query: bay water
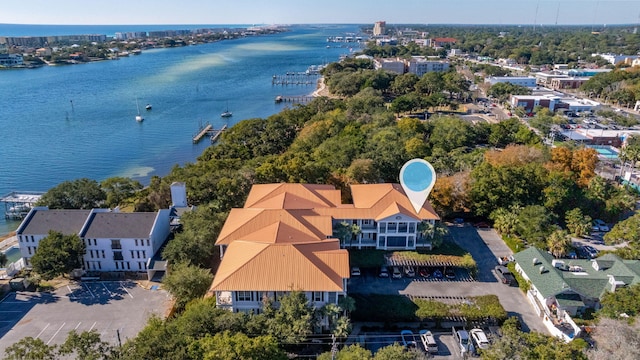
[(62, 123)]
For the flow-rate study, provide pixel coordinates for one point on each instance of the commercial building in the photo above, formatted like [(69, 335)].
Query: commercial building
[(379, 28), (526, 81), (420, 65), (553, 102), (616, 59), (396, 65)]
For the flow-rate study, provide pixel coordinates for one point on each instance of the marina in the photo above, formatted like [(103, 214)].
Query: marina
[(208, 131), (17, 204)]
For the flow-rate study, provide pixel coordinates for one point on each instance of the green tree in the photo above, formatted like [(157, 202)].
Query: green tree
[(194, 243), (186, 282), (625, 300), (351, 352), (398, 352), (626, 230), (30, 349), (77, 194), (3, 259), (119, 189), (505, 221), (535, 224), (346, 232), (292, 322), (578, 224), (559, 243), (238, 346), (58, 254), (87, 346)]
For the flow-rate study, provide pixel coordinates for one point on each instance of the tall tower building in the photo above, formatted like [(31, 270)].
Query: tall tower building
[(378, 28)]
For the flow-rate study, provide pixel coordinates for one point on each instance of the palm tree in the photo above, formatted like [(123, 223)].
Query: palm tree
[(559, 243)]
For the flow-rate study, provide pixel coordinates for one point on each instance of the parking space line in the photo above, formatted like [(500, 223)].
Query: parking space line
[(6, 296), (45, 328), (106, 288), (94, 324), (77, 326), (71, 296), (90, 292), (54, 335), (125, 289)]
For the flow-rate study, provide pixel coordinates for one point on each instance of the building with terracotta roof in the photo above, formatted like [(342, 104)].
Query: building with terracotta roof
[(283, 240)]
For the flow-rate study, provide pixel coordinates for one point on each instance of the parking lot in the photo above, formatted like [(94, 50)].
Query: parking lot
[(112, 308)]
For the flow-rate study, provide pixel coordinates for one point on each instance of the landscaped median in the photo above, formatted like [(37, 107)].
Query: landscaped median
[(400, 308)]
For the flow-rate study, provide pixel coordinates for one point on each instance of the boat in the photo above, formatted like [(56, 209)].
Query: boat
[(139, 117), (227, 113), (278, 99), (148, 107)]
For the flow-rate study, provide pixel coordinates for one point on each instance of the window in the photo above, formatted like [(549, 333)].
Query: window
[(32, 239), (128, 266), (318, 296), (91, 254), (402, 227), (99, 265), (243, 296), (20, 238), (144, 254), (397, 241), (131, 254), (381, 240), (136, 242), (138, 254), (332, 298), (117, 255), (139, 265), (29, 249), (117, 267), (115, 244), (392, 227), (103, 255), (412, 227), (148, 242)]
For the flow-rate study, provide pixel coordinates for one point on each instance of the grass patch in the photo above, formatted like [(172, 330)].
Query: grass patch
[(398, 308), (366, 258), (387, 308), (514, 243), (466, 261)]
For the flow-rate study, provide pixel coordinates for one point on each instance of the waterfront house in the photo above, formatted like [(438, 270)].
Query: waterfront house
[(283, 240), (563, 288), (115, 241)]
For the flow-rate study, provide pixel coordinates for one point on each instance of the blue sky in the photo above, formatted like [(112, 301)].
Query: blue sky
[(105, 12)]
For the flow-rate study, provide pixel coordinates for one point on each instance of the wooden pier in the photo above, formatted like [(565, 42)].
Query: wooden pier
[(295, 79), (208, 130), (294, 99), (215, 134), (202, 132)]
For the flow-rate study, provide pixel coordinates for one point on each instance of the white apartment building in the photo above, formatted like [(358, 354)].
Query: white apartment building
[(420, 65), (115, 241), (526, 81)]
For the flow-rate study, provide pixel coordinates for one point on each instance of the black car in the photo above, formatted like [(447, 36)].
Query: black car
[(506, 277)]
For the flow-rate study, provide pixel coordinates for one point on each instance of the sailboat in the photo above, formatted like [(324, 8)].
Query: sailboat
[(139, 117), (227, 113)]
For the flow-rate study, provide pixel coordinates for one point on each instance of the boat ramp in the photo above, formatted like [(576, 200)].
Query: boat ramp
[(208, 130)]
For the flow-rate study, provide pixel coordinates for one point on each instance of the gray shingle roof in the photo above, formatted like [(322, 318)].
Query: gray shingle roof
[(118, 225), (66, 222)]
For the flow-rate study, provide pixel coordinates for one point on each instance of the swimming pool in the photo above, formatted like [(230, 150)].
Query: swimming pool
[(13, 254), (605, 151)]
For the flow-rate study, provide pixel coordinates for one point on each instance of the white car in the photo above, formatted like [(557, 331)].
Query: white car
[(409, 272), (428, 341), (355, 271), (479, 338), (599, 225), (464, 342)]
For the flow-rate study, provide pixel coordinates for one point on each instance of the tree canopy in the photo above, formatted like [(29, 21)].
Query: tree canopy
[(58, 254)]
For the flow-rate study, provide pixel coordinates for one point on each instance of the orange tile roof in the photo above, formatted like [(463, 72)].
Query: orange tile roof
[(378, 201), (306, 224), (292, 196), (252, 266)]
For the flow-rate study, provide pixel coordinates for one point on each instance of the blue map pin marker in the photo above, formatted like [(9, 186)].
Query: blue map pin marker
[(417, 178)]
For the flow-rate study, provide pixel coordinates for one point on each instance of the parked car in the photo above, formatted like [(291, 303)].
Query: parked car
[(593, 252), (424, 272), (384, 272), (396, 273), (600, 225), (461, 338), (428, 341), (450, 273), (506, 277), (355, 271), (437, 274), (479, 338), (408, 340), (409, 272)]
